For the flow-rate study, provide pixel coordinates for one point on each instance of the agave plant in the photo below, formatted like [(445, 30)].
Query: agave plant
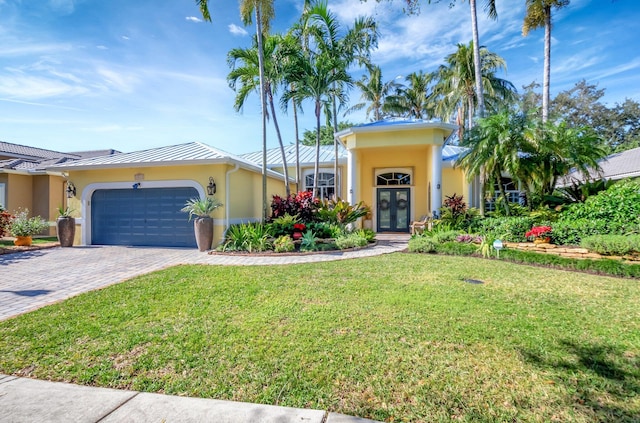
[(201, 207)]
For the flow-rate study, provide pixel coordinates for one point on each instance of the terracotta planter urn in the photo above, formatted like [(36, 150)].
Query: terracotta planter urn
[(203, 227), (542, 240), (66, 231), (22, 241)]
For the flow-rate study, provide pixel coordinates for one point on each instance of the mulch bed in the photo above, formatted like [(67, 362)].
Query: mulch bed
[(9, 249)]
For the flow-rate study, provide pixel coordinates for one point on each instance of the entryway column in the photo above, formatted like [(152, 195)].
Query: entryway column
[(436, 179), (351, 177)]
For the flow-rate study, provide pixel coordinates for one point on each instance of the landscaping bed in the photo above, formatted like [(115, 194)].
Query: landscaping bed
[(7, 246)]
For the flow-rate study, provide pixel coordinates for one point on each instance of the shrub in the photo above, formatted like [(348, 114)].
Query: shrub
[(620, 204), (247, 237), (445, 236), (511, 229), (352, 240), (571, 232), (422, 244), (613, 245), (301, 204), (468, 238), (341, 212), (283, 244), (454, 215), (308, 242), (23, 225), (324, 229), (283, 225), (5, 221)]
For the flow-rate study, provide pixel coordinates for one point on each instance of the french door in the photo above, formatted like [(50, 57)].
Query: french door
[(393, 209)]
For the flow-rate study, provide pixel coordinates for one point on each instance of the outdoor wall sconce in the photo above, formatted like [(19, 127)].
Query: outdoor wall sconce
[(211, 188), (71, 189)]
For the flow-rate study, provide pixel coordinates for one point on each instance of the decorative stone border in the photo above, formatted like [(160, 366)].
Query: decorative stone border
[(566, 251)]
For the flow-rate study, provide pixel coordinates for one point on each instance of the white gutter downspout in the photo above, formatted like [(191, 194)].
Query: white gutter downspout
[(227, 196)]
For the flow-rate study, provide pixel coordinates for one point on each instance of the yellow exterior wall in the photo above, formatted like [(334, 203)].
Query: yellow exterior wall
[(453, 182), (19, 192), (415, 158), (245, 188), (416, 137)]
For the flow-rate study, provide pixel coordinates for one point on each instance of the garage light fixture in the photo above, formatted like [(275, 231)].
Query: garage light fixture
[(211, 188), (71, 189)]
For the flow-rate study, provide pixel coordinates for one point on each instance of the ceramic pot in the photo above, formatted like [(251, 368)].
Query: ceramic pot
[(23, 241), (542, 240), (66, 231), (203, 227)]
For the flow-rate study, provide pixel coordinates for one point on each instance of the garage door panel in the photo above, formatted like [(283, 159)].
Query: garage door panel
[(145, 217)]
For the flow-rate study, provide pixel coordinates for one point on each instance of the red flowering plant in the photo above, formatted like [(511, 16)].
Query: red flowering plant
[(539, 232), (298, 228), (5, 221)]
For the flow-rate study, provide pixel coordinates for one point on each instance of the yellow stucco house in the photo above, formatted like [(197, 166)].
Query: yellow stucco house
[(401, 169)]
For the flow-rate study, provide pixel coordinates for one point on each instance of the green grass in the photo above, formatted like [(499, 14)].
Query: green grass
[(35, 241), (397, 338)]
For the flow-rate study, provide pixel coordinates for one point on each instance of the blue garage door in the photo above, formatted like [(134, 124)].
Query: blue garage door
[(144, 216)]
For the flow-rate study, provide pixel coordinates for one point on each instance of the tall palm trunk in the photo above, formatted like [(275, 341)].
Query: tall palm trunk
[(263, 106), (336, 187), (284, 156), (476, 60), (295, 125), (547, 63), (316, 168)]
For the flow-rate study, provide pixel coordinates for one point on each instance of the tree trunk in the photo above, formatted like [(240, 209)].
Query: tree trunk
[(336, 187), (295, 125), (476, 60), (263, 109), (317, 162), (547, 63), (282, 152)]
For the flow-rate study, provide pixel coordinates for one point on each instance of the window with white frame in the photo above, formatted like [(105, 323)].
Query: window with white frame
[(3, 198), (326, 183)]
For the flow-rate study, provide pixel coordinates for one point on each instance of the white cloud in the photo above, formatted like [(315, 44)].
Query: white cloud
[(112, 128), (101, 47), (120, 81), (24, 87), (193, 19), (124, 37), (237, 30)]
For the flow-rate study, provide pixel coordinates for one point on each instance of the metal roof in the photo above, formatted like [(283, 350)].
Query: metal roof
[(452, 152), (625, 164), (173, 155), (24, 152), (396, 124), (307, 155)]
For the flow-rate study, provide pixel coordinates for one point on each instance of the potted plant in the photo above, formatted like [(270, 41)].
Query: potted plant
[(65, 227), (23, 227), (202, 209), (540, 234)]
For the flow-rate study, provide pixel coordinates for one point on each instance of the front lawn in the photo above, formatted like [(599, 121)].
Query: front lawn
[(400, 337)]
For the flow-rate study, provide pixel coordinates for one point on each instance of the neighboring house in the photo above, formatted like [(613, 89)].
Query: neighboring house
[(617, 166), (135, 198), (326, 170), (401, 170), (25, 184)]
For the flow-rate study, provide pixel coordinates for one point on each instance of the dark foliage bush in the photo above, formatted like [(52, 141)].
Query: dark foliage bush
[(302, 205)]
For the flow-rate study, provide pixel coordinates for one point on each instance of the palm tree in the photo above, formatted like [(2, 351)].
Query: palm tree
[(244, 79), (380, 97), (494, 144), (454, 91), (539, 15), (412, 100), (558, 148), (322, 31), (316, 77), (263, 12)]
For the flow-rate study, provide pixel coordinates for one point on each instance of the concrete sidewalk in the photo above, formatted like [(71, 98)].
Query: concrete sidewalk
[(29, 400)]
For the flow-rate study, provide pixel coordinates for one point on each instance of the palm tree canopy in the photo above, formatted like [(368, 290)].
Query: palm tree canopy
[(247, 7), (537, 11)]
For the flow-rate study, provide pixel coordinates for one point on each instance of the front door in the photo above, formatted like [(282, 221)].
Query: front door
[(393, 209)]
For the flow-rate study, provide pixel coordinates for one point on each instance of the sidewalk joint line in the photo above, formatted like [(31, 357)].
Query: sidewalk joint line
[(117, 407)]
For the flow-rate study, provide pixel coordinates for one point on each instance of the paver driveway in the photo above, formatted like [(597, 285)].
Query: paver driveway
[(32, 279)]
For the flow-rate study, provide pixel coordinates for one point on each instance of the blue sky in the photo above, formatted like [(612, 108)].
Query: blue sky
[(130, 75)]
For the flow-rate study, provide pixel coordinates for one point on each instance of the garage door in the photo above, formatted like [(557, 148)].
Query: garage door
[(145, 217)]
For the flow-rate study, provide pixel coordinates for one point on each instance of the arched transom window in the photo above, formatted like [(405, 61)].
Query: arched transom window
[(393, 178)]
